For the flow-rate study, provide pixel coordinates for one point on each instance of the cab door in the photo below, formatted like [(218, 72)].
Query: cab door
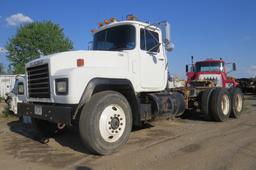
[(152, 61)]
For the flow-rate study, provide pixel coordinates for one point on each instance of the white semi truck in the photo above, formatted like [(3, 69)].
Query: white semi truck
[(17, 94), (119, 84)]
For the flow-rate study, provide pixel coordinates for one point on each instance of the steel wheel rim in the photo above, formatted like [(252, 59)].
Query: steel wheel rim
[(239, 103), (112, 123), (225, 105)]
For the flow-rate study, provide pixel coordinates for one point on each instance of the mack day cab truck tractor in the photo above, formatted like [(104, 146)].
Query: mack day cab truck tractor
[(119, 84), (214, 73)]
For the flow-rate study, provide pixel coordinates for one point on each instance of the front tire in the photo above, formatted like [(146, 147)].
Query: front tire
[(220, 104), (105, 122)]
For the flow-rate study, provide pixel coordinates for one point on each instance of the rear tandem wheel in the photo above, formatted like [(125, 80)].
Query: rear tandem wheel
[(220, 104)]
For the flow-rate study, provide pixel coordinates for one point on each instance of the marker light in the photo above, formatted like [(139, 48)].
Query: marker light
[(131, 17), (112, 19), (80, 62), (106, 21), (100, 24)]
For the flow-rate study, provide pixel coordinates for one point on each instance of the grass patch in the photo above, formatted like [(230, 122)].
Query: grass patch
[(6, 113)]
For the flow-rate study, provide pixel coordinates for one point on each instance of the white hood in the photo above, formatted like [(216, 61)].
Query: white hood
[(97, 59)]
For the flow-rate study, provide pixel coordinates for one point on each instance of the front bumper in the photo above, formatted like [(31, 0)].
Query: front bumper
[(52, 113)]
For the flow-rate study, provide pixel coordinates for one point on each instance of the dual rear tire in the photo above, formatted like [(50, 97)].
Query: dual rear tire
[(237, 99), (219, 104)]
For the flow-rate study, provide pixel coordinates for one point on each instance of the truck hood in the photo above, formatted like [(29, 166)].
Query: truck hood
[(92, 59)]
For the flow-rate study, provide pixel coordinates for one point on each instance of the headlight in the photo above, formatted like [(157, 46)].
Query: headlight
[(20, 88), (61, 86)]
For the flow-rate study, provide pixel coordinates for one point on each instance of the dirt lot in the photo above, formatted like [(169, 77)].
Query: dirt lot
[(188, 143)]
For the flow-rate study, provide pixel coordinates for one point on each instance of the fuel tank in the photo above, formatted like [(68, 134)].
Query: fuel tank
[(167, 104)]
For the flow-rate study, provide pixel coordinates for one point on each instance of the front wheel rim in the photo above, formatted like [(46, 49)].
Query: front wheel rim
[(112, 123)]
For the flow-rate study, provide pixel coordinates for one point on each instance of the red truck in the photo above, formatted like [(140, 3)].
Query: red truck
[(211, 70), (211, 74)]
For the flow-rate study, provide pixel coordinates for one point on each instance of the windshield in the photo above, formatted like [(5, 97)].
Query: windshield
[(115, 38), (209, 66)]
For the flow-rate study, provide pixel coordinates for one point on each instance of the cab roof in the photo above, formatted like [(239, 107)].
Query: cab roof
[(210, 61), (126, 22)]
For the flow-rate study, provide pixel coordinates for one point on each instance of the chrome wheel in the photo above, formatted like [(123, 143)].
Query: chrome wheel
[(112, 123)]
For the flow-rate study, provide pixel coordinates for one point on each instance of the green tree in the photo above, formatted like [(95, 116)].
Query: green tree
[(35, 39)]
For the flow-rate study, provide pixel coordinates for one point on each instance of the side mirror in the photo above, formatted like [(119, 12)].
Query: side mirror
[(166, 35), (186, 68), (234, 66)]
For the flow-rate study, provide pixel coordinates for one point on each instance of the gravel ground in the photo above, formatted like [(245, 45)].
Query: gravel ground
[(185, 144)]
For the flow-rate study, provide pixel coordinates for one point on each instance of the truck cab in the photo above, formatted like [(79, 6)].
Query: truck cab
[(129, 51), (211, 70)]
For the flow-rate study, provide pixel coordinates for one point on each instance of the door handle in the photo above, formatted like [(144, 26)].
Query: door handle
[(161, 59)]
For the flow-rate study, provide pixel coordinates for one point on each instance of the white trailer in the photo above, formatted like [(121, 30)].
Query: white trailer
[(7, 83)]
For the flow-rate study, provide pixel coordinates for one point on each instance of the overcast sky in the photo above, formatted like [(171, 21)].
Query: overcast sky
[(202, 28)]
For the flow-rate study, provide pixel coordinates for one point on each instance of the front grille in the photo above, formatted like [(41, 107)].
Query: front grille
[(38, 81)]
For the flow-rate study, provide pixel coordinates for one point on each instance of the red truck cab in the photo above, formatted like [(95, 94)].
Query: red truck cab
[(212, 70)]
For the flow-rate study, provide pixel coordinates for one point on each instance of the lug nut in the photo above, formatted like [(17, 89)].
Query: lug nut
[(109, 122), (116, 131), (112, 131), (118, 115), (121, 124), (119, 128)]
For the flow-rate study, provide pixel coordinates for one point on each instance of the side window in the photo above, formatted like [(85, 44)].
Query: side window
[(149, 40)]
